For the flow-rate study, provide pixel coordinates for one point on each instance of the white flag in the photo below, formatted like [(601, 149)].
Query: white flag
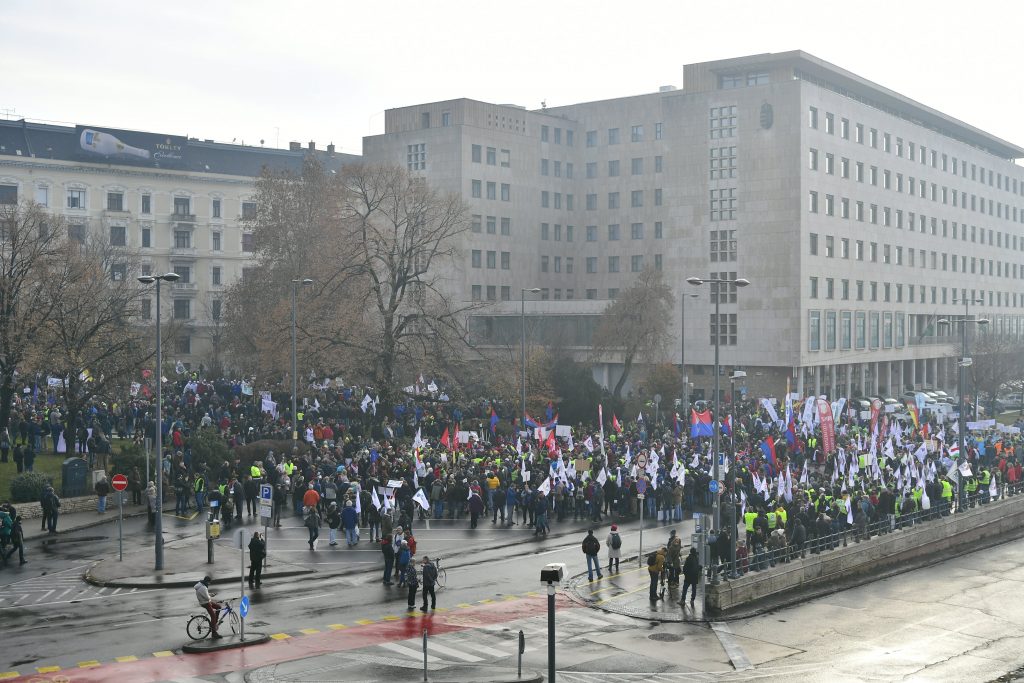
[(545, 488), (921, 453), (602, 476), (589, 444), (771, 409), (992, 488), (366, 403), (421, 498), (849, 510), (418, 442), (359, 504), (374, 498)]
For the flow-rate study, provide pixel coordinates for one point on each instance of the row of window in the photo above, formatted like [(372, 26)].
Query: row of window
[(912, 152), (477, 187), (491, 293), (182, 238), (636, 232), (636, 199), (545, 135), (477, 156), (637, 166), (613, 137), (848, 330), (861, 290), (914, 187), (477, 224), (77, 198), (636, 263), (859, 250), (492, 259)]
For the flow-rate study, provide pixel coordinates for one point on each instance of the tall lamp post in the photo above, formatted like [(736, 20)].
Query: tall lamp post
[(522, 351), (962, 368), (682, 354), (158, 517), (295, 415), (721, 285)]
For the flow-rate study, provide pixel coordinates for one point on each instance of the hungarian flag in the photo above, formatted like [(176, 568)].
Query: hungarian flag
[(616, 425), (494, 420), (446, 440)]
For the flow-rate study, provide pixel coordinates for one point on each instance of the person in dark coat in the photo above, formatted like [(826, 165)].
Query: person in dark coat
[(691, 576), (389, 558), (476, 508), (257, 553)]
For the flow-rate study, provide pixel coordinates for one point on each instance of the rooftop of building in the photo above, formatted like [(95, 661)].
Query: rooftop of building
[(117, 147)]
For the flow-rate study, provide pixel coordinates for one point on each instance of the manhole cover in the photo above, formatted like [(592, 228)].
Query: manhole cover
[(666, 637)]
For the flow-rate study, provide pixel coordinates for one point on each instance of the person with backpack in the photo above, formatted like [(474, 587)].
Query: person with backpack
[(614, 545), (429, 581), (655, 565), (6, 533), (591, 548)]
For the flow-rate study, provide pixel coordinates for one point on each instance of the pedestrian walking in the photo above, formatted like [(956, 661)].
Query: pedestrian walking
[(614, 545), (591, 548), (333, 522), (350, 522), (402, 559), (102, 490), (673, 559), (51, 509), (257, 553), (311, 520), (691, 576), (429, 581)]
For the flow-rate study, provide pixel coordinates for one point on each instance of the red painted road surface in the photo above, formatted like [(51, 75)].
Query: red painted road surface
[(153, 669)]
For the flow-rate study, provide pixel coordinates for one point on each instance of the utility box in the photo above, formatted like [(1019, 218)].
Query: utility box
[(74, 478)]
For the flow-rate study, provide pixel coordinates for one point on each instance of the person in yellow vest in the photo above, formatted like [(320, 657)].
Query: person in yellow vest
[(947, 497), (971, 488), (983, 484), (748, 520)]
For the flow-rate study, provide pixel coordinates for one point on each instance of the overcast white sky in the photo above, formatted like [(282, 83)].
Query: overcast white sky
[(326, 70)]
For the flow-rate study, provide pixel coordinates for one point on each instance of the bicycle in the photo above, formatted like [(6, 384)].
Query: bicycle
[(198, 626), (442, 575)]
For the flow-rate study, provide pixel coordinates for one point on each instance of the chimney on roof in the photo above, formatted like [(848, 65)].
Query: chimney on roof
[(294, 146), (312, 146), (330, 148)]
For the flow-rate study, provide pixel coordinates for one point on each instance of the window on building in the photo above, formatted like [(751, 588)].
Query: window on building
[(591, 138), (475, 258), (147, 204), (146, 311), (182, 309), (613, 232), (636, 263), (476, 292), (118, 236), (182, 239), (724, 328), (636, 199), (723, 246), (248, 211), (115, 201), (147, 238), (215, 276), (723, 204), (416, 155), (613, 200), (591, 233), (658, 230), (613, 264), (814, 330), (42, 195), (506, 226), (723, 122), (613, 136), (76, 198), (636, 134), (118, 272), (182, 206), (506, 293), (476, 153), (812, 117), (591, 264), (248, 242)]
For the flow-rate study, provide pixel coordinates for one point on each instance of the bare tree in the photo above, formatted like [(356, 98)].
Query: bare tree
[(997, 360), (379, 245), (31, 247), (635, 326)]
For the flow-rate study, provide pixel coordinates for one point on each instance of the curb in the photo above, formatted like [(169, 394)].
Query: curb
[(184, 583), (228, 643)]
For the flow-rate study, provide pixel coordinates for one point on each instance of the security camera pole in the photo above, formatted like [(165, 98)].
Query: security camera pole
[(551, 575)]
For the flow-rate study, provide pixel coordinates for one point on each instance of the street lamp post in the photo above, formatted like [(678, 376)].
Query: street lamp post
[(158, 517), (522, 351), (295, 416), (682, 353), (716, 427), (961, 369)]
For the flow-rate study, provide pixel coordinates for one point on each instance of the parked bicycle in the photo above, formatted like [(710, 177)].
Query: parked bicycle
[(442, 575), (198, 626)]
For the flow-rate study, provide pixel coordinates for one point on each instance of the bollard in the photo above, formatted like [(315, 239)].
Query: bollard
[(424, 655), (522, 649)]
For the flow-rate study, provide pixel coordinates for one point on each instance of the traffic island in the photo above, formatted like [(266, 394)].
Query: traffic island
[(628, 593), (231, 642)]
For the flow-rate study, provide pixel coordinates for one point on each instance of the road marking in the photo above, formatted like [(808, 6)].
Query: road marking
[(415, 655), (309, 631), (574, 615), (129, 658), (46, 595), (4, 675), (437, 647), (163, 653), (732, 648), (280, 636), (464, 605), (47, 669), (88, 664), (307, 597), (336, 627), (637, 590), (365, 622), (391, 618)]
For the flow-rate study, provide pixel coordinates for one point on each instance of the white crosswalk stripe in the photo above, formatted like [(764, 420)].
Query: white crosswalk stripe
[(57, 588), (409, 652)]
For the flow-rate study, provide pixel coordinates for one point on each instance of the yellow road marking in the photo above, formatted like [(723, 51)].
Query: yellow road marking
[(336, 627), (309, 631), (464, 605), (47, 669), (280, 636), (416, 613), (129, 658), (440, 609), (365, 622), (88, 664), (484, 602), (511, 597), (4, 675), (163, 653), (391, 618), (532, 594)]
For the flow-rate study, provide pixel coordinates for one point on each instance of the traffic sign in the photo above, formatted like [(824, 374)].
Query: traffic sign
[(266, 492), (641, 486), (641, 461), (119, 482), (243, 606), (713, 486)]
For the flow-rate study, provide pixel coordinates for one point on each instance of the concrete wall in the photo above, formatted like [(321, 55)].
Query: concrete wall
[(933, 539)]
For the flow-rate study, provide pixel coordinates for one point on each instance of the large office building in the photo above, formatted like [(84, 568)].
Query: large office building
[(178, 203), (858, 215)]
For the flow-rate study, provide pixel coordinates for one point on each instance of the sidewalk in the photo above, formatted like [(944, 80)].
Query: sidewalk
[(329, 668), (185, 562), (628, 592), (73, 521)]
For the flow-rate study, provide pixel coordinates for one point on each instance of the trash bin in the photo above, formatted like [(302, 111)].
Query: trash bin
[(74, 477)]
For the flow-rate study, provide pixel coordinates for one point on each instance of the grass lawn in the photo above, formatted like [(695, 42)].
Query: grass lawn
[(47, 464), (1008, 418)]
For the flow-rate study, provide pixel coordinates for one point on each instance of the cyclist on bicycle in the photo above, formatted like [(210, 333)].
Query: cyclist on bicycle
[(212, 608)]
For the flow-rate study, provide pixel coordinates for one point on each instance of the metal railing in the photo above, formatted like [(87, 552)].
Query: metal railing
[(767, 556)]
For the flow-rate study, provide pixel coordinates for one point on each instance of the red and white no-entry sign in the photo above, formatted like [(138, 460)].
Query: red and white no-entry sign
[(119, 482)]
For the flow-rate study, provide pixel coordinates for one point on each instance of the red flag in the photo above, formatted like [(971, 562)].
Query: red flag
[(550, 442), (616, 425), (445, 439)]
